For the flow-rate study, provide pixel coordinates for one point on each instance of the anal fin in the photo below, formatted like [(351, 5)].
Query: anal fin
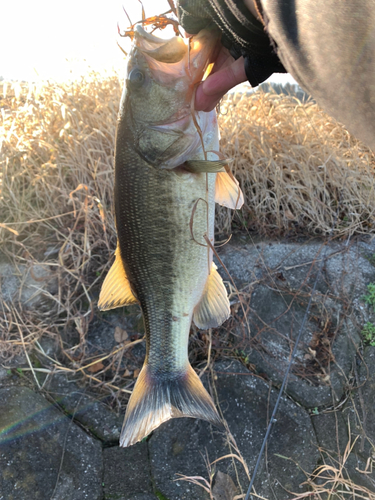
[(116, 291), (227, 191), (213, 308)]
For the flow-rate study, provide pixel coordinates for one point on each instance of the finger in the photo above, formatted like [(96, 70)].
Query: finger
[(217, 84), (223, 59), (225, 78)]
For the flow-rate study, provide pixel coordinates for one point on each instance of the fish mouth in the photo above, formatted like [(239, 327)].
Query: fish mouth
[(177, 55), (168, 51)]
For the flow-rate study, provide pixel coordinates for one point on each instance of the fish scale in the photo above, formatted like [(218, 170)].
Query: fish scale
[(166, 186), (158, 250)]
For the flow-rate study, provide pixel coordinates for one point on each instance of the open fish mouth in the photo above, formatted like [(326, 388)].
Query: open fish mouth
[(168, 51), (178, 55)]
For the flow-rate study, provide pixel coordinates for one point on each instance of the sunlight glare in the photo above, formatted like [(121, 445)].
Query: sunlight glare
[(60, 41)]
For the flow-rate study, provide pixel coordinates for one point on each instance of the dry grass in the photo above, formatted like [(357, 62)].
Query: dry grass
[(294, 163), (56, 183), (297, 167)]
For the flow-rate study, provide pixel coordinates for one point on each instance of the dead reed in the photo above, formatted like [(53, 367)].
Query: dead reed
[(301, 172), (297, 168)]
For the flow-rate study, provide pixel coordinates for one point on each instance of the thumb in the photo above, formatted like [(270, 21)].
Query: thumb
[(218, 84)]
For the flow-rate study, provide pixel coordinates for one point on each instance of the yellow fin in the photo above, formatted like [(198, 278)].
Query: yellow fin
[(213, 308), (227, 191), (116, 291)]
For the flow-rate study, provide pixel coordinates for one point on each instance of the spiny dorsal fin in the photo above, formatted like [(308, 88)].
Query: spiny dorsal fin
[(116, 291), (227, 191), (213, 308), (198, 166), (156, 399)]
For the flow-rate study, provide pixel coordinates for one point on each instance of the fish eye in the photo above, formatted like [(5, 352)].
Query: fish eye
[(136, 78)]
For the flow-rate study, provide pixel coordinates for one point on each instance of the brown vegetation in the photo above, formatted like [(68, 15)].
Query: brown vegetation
[(301, 172), (298, 168)]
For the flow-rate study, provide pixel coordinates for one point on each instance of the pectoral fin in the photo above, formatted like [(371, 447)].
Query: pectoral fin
[(213, 309), (116, 291), (227, 191), (198, 166)]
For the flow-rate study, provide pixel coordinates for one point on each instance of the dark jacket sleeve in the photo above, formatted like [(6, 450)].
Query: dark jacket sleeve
[(329, 48), (243, 35)]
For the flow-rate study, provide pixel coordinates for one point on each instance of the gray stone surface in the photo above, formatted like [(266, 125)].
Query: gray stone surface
[(141, 496), (179, 446), (361, 408), (31, 285), (3, 374), (36, 439), (360, 473), (100, 338), (43, 454), (101, 331), (331, 432), (86, 408), (279, 278), (127, 473)]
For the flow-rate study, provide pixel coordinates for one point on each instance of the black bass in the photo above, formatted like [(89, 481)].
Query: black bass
[(166, 185)]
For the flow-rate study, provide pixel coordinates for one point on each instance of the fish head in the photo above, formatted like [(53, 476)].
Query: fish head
[(158, 96)]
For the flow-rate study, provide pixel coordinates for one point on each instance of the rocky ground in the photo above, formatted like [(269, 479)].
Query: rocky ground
[(61, 441)]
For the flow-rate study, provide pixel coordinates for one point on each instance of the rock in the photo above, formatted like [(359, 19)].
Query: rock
[(361, 473), (86, 408), (43, 453), (50, 347), (141, 496), (361, 409), (280, 277), (100, 338), (3, 375), (331, 432), (127, 473), (30, 285), (179, 446)]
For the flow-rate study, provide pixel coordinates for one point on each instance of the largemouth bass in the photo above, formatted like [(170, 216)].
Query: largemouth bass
[(166, 185)]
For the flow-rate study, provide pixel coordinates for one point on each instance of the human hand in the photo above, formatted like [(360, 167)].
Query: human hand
[(226, 74)]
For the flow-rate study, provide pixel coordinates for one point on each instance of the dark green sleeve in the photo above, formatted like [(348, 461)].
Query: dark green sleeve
[(243, 35)]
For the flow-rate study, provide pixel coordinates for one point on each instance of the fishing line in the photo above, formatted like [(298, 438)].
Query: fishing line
[(285, 379)]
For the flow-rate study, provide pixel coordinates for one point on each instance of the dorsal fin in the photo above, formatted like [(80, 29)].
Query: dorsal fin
[(116, 291), (227, 191), (213, 308)]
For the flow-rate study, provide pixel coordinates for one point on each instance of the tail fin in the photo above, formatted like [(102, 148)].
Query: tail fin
[(156, 399)]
